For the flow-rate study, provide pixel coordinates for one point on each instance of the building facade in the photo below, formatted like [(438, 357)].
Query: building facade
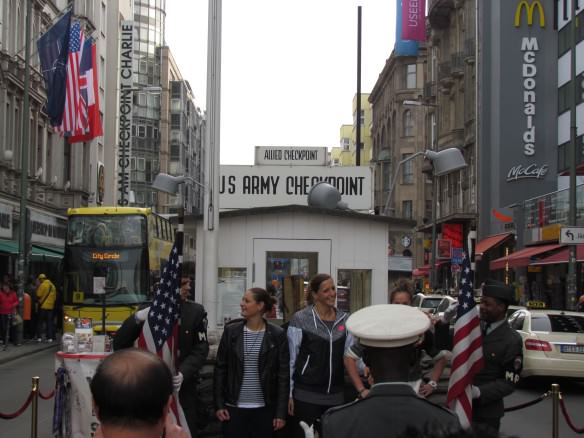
[(398, 132)]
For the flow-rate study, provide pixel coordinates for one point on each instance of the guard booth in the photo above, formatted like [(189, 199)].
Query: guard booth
[(286, 245)]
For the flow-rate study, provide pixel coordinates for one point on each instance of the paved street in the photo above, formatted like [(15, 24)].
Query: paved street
[(536, 421), (16, 382)]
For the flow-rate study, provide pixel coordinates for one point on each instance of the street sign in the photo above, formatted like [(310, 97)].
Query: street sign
[(572, 235)]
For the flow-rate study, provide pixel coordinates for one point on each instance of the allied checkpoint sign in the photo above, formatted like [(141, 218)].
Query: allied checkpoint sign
[(267, 186), (291, 155)]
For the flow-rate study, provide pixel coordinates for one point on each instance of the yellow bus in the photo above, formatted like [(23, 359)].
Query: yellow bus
[(113, 255)]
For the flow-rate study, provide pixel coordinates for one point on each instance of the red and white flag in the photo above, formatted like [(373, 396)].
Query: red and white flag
[(90, 118), (467, 351)]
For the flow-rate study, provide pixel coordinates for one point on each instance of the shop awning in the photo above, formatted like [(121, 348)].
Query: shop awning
[(490, 242), (562, 256), (43, 251), (422, 271), (9, 246), (38, 252), (522, 257)]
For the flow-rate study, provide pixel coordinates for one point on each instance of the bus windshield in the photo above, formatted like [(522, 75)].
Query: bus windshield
[(106, 255), (105, 231)]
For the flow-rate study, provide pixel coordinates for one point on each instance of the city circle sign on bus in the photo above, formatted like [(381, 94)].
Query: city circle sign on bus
[(291, 156)]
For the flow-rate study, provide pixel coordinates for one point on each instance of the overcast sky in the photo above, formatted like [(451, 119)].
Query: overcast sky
[(288, 73)]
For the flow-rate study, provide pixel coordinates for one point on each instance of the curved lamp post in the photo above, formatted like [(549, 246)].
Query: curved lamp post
[(443, 162)]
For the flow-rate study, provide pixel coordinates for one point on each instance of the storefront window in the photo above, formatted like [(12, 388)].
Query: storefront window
[(353, 289), (231, 284)]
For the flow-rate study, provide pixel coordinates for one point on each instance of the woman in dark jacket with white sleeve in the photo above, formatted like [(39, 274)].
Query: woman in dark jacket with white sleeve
[(252, 374)]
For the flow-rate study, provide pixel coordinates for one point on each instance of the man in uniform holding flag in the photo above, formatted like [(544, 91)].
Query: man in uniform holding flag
[(503, 357), (159, 330)]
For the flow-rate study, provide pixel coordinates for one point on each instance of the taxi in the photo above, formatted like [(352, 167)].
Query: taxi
[(553, 342)]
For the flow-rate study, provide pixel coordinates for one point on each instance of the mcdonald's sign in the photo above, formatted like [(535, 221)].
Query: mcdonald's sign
[(529, 11)]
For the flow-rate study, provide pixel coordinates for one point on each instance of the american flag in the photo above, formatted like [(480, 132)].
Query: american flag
[(467, 352), (160, 331), (72, 117)]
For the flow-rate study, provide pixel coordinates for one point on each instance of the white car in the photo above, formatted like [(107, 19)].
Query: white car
[(433, 304), (553, 342)]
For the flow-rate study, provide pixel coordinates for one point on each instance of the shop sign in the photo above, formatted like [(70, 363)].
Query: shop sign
[(6, 221), (457, 256), (444, 248), (268, 186), (47, 229), (400, 263), (291, 156)]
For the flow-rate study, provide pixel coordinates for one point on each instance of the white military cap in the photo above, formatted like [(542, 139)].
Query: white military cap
[(388, 325)]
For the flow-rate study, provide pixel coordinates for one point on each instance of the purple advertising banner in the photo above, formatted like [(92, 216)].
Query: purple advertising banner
[(413, 20)]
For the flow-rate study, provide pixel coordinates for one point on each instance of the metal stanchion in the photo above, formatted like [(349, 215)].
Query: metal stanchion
[(35, 407), (555, 410)]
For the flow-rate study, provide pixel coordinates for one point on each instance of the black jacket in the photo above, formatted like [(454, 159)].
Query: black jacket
[(503, 356), (192, 340), (274, 371), (387, 411)]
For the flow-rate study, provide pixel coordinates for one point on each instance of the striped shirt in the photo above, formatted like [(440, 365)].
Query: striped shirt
[(251, 395)]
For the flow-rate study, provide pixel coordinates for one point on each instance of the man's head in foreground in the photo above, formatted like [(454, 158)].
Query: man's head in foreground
[(132, 391)]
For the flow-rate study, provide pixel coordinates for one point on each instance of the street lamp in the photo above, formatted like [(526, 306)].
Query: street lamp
[(443, 162)]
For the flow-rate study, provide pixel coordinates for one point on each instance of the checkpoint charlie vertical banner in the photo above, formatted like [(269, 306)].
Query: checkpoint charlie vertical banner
[(125, 107), (267, 186)]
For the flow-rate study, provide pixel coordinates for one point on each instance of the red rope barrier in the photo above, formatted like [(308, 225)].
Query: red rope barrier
[(48, 396), (568, 419), (20, 411)]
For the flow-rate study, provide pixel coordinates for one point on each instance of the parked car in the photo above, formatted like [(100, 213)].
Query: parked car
[(433, 304), (553, 342), (512, 309)]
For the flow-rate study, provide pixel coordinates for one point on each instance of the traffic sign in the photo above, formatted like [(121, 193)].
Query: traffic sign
[(572, 235)]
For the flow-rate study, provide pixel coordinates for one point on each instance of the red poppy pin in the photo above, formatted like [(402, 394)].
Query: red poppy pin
[(341, 328)]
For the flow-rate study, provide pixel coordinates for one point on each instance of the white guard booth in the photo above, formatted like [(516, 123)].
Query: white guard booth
[(264, 245)]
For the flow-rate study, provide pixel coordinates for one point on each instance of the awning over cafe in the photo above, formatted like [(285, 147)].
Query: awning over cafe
[(522, 257), (490, 242), (562, 256)]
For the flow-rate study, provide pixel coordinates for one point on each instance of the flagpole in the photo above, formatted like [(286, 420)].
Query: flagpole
[(22, 228)]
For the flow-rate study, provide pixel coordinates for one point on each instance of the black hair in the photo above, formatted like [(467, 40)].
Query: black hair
[(261, 296), (403, 285), (131, 388), (317, 280)]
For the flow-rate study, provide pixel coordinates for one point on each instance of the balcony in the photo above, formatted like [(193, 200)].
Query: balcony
[(439, 13), (429, 90), (457, 61), (445, 76)]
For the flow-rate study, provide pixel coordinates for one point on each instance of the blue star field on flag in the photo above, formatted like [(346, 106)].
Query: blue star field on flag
[(465, 297), (165, 309)]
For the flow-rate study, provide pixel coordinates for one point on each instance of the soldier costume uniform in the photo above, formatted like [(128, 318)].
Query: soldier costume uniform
[(503, 357), (391, 406), (193, 350)]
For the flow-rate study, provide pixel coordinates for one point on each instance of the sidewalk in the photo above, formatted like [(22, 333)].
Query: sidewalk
[(26, 349)]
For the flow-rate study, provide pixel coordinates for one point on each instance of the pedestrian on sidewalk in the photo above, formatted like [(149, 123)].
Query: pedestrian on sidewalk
[(8, 305), (47, 296)]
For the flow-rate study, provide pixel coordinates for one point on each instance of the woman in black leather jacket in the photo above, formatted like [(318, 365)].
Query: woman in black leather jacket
[(252, 375)]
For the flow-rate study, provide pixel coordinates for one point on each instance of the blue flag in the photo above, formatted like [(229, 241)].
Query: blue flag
[(53, 48)]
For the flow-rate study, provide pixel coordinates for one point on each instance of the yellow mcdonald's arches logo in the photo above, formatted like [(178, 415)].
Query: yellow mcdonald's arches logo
[(529, 10)]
